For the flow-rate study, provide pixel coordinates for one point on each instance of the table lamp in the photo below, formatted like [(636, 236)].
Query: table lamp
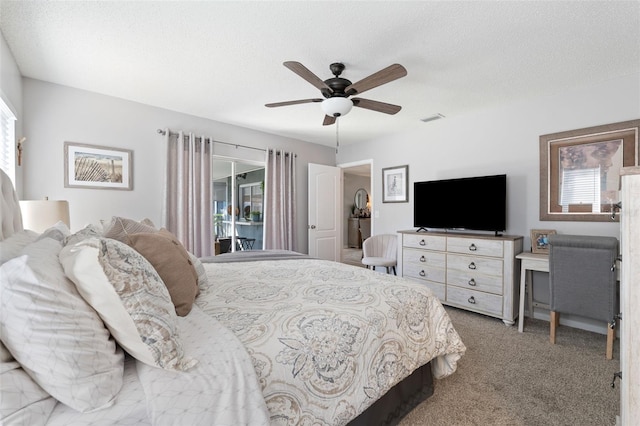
[(39, 215)]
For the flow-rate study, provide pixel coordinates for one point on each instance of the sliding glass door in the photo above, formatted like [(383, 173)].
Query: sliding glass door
[(238, 204)]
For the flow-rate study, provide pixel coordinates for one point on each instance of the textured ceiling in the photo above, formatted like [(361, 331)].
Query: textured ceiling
[(222, 60)]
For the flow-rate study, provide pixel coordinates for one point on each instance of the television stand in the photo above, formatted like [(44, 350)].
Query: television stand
[(422, 229)]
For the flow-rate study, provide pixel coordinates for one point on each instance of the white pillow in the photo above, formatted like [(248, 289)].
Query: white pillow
[(23, 402), (130, 297), (59, 340), (11, 247)]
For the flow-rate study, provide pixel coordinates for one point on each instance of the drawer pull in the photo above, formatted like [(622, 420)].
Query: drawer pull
[(422, 242), (472, 265), (473, 247), (422, 273), (472, 282), (423, 259), (472, 300)]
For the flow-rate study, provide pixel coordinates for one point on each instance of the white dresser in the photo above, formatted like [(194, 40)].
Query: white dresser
[(474, 272)]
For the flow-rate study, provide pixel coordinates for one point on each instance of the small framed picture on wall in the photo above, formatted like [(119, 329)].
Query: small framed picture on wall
[(540, 240), (395, 181)]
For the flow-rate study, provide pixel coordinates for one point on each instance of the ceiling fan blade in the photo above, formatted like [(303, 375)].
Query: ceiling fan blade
[(304, 72), (328, 120), (301, 101), (376, 106), (390, 73)]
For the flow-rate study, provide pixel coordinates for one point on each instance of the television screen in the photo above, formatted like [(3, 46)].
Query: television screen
[(475, 203)]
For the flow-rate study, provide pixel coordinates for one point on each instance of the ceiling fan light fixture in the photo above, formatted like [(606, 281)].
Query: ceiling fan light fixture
[(336, 106)]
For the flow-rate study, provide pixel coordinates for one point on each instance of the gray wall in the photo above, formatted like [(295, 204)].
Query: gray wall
[(54, 114)]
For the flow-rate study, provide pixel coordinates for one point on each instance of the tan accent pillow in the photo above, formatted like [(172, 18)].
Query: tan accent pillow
[(172, 262), (121, 227)]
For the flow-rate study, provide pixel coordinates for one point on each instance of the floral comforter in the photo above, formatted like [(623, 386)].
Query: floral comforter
[(328, 339)]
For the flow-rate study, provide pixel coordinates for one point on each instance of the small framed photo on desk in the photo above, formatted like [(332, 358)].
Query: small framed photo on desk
[(540, 240)]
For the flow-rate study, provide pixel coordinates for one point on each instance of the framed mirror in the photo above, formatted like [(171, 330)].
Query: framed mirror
[(360, 199), (580, 171)]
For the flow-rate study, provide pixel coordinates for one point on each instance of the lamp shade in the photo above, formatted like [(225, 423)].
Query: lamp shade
[(38, 215), (336, 106)]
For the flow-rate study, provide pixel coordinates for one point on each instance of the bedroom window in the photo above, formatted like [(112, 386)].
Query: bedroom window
[(7, 138)]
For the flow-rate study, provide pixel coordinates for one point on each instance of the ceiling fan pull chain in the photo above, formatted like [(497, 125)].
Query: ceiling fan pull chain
[(337, 133)]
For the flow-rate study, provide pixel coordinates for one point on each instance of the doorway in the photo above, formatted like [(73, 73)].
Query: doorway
[(357, 209)]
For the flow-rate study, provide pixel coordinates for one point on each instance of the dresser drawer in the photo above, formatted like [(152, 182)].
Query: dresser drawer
[(424, 241), (422, 273), (475, 246), (475, 265), (486, 283), (424, 258), (475, 300)]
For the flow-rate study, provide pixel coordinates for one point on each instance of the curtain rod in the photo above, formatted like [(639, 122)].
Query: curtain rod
[(163, 132)]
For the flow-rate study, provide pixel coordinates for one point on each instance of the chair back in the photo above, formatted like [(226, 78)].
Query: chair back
[(383, 245), (582, 276)]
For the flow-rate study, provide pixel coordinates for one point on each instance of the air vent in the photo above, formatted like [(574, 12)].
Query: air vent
[(433, 117)]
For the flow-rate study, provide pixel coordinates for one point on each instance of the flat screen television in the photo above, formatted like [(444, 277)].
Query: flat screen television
[(474, 203)]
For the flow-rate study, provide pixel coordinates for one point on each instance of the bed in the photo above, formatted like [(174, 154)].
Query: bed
[(96, 331)]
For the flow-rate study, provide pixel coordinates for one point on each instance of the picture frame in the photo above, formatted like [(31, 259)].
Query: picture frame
[(540, 240), (395, 184), (580, 171), (97, 167)]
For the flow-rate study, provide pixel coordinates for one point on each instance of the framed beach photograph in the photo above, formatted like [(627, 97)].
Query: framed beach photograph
[(580, 171), (540, 240), (395, 183), (97, 167)]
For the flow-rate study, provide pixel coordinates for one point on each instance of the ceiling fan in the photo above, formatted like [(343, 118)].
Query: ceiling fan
[(337, 91)]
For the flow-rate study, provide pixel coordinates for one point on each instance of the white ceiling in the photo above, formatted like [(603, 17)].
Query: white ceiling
[(222, 60)]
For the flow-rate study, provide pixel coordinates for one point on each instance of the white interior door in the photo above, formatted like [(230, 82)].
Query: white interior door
[(325, 220)]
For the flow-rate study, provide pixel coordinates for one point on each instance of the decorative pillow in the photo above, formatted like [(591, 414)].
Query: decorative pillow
[(130, 297), (59, 340), (89, 231), (172, 262), (23, 401), (59, 231), (203, 280), (121, 227), (11, 247)]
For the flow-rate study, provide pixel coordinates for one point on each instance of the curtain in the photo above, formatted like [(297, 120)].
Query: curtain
[(280, 200), (187, 210)]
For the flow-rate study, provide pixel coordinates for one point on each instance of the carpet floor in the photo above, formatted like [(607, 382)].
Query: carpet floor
[(511, 378)]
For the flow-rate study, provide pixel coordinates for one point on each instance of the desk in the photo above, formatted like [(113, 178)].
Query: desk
[(530, 262)]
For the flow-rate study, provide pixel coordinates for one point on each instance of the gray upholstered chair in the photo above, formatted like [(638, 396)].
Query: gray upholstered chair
[(582, 280), (381, 250)]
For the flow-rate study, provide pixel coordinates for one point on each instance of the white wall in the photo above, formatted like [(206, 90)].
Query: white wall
[(494, 141), (54, 114)]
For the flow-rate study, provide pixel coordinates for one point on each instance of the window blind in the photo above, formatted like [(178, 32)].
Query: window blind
[(7, 141), (581, 186)]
